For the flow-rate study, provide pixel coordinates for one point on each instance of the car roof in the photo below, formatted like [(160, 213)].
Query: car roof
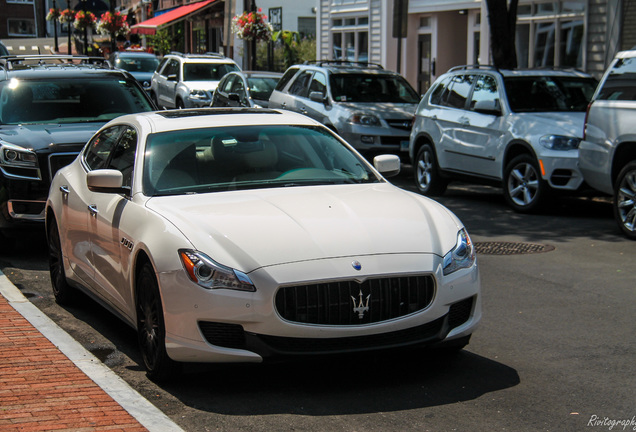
[(346, 67), (133, 54), (175, 120), (56, 66), (253, 74), (563, 72), (626, 54)]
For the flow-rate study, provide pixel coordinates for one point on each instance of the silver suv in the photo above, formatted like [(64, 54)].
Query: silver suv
[(607, 155), (370, 107), (188, 80), (519, 129)]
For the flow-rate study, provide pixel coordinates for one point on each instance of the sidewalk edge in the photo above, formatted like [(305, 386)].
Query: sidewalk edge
[(151, 417)]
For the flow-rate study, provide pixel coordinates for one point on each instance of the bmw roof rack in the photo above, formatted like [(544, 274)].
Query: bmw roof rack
[(203, 55), (20, 62), (474, 66), (344, 63)]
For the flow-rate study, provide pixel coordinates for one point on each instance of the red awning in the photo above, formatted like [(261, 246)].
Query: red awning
[(151, 26)]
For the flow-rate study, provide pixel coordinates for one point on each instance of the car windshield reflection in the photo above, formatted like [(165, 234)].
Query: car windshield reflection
[(248, 157)]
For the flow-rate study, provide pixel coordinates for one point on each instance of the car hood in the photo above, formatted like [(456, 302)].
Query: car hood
[(257, 228), (382, 109), (37, 137), (566, 123), (142, 76), (201, 85)]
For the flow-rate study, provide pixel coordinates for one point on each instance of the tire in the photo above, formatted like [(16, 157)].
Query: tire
[(179, 104), (523, 187), (151, 329), (426, 172), (63, 292), (624, 203)]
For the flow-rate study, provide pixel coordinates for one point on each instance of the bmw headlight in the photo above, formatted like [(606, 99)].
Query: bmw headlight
[(209, 274), (199, 94), (558, 142), (461, 256), (16, 156), (364, 119)]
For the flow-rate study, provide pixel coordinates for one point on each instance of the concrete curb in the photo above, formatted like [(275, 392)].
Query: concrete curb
[(140, 408)]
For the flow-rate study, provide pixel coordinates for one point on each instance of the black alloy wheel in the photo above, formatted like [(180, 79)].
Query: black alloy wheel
[(62, 291), (624, 203), (524, 188), (151, 330), (426, 172)]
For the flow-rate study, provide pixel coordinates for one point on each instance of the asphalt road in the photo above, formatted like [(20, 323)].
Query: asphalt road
[(555, 351)]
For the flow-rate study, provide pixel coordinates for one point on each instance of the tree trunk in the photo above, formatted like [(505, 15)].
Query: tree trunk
[(503, 21)]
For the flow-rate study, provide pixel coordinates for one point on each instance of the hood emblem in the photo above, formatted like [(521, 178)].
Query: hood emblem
[(356, 265), (361, 307)]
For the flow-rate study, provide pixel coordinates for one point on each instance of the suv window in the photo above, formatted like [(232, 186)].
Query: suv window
[(438, 91), (621, 82), (287, 76), (172, 69), (368, 87), (300, 85), (319, 83), (548, 93), (458, 91), (485, 91)]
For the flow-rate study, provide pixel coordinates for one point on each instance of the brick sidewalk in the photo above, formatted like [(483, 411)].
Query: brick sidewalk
[(42, 390)]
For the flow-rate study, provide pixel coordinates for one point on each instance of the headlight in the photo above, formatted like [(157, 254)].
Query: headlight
[(199, 94), (209, 274), (16, 156), (461, 256), (557, 142), (364, 119)]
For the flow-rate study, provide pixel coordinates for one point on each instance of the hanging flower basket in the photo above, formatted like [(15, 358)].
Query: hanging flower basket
[(84, 20), (67, 16), (252, 26), (53, 14), (113, 23)]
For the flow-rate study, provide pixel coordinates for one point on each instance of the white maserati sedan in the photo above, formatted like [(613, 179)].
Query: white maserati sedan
[(242, 235)]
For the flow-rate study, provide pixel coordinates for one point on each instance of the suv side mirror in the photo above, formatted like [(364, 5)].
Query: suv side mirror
[(173, 77), (317, 96), (489, 107)]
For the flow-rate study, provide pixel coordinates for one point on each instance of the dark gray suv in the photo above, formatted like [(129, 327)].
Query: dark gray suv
[(370, 107), (50, 106)]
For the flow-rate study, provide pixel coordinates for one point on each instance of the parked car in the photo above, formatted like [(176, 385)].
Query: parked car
[(372, 108), (139, 64), (519, 129), (3, 50), (264, 236), (188, 80), (607, 154), (50, 106), (248, 89)]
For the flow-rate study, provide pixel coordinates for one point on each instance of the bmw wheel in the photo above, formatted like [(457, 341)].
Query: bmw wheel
[(62, 291), (524, 189), (151, 330), (625, 200), (427, 177), (179, 104)]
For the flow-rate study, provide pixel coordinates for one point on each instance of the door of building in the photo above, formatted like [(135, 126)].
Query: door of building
[(426, 64)]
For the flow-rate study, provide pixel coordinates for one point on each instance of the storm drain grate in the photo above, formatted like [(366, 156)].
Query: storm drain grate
[(510, 248)]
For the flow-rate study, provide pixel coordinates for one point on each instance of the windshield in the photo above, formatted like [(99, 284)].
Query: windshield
[(549, 93), (248, 157), (371, 88), (69, 100), (207, 71), (137, 64), (261, 87)]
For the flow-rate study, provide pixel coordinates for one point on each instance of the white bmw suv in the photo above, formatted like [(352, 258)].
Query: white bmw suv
[(189, 80), (516, 128)]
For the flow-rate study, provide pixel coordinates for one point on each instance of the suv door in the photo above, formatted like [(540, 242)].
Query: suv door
[(279, 97), (298, 92), (167, 84), (314, 108)]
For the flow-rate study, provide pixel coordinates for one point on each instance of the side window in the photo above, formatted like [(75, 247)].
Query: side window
[(123, 157), (172, 68), (438, 92), (239, 88), (287, 76), (301, 85), (161, 66), (227, 86), (459, 89), (319, 84), (621, 82), (98, 150), (485, 93)]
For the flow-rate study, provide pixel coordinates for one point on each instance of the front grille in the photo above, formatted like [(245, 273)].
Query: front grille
[(352, 303), (222, 334), (393, 140), (400, 124), (561, 177), (59, 160)]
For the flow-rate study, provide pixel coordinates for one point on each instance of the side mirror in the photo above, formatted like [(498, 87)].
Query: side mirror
[(489, 107), (317, 97), (387, 165), (173, 77), (106, 181)]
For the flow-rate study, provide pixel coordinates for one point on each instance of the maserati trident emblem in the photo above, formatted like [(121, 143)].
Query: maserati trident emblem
[(356, 265), (362, 307)]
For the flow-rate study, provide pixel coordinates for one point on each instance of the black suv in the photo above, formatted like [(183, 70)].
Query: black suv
[(50, 106)]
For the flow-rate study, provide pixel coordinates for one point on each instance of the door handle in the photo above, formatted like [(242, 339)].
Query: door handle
[(64, 189), (93, 209), (283, 105), (303, 110)]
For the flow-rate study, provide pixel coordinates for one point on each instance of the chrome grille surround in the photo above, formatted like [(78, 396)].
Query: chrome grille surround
[(350, 302)]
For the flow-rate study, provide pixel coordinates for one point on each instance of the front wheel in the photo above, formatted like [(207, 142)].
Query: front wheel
[(151, 329), (624, 203), (426, 171), (524, 188), (62, 291)]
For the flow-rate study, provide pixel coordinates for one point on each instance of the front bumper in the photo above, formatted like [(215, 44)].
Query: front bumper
[(561, 170), (232, 326), (367, 138)]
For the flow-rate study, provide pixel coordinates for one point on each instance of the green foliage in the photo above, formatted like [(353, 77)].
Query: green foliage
[(288, 49), (160, 42)]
